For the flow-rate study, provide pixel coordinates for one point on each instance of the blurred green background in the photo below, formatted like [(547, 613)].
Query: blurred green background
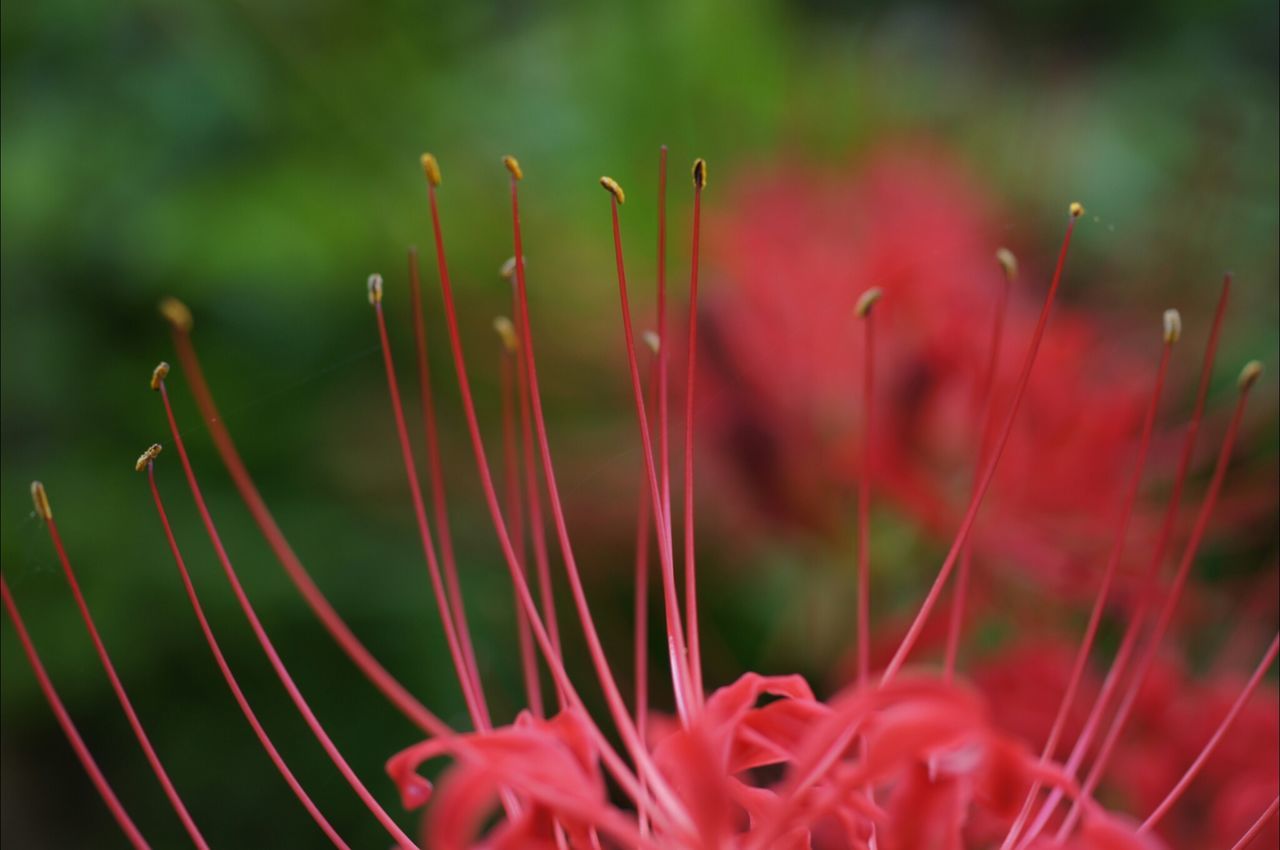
[(259, 159)]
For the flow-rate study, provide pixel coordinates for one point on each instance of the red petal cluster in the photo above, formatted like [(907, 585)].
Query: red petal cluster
[(765, 765)]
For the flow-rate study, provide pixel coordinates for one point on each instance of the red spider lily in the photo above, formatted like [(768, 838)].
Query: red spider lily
[(792, 254), (903, 759), (1173, 716)]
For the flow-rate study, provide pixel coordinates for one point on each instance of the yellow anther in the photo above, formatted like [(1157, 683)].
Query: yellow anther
[(146, 457), (700, 173), (612, 187), (158, 375), (375, 289), (176, 313), (1172, 325), (430, 168), (868, 300), (1076, 209), (41, 500), (1008, 263), (506, 332), (1249, 374), (513, 165)]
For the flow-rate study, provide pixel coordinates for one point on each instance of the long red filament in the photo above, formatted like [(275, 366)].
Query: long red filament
[(435, 472), (1092, 724), (515, 518), (77, 743), (678, 649), (1104, 587), (449, 603), (229, 677), (690, 573), (471, 690), (959, 601), (864, 499), (533, 495), (986, 398), (1247, 691), (658, 388), (351, 646), (613, 697), (670, 804), (116, 685), (643, 532), (1133, 630), (486, 477), (1166, 613), (1258, 825), (664, 432), (269, 649), (962, 536)]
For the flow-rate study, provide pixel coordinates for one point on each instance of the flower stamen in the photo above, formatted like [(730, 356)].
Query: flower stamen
[(1258, 825), (686, 700), (108, 794), (1248, 376), (135, 723), (986, 398), (435, 472), (690, 572), (351, 646), (864, 311), (1161, 810), (268, 648), (148, 462), (515, 513), (1153, 644), (626, 779), (1136, 621), (966, 525), (1112, 565)]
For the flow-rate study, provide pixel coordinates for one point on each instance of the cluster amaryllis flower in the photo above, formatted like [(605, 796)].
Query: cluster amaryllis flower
[(904, 758), (777, 368)]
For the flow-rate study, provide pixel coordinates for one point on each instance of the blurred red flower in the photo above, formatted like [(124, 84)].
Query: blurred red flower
[(781, 359), (1173, 716)]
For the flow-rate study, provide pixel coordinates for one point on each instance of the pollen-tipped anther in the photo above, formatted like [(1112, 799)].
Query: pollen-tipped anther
[(40, 499), (508, 269), (176, 313), (513, 165), (506, 332), (700, 173), (430, 168), (158, 375), (1008, 263), (1076, 209), (1249, 374), (375, 289), (867, 301), (146, 457), (1172, 325), (611, 186), (652, 340)]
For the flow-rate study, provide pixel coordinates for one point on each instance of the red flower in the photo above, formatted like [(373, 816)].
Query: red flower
[(1173, 716), (902, 759), (782, 360)]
